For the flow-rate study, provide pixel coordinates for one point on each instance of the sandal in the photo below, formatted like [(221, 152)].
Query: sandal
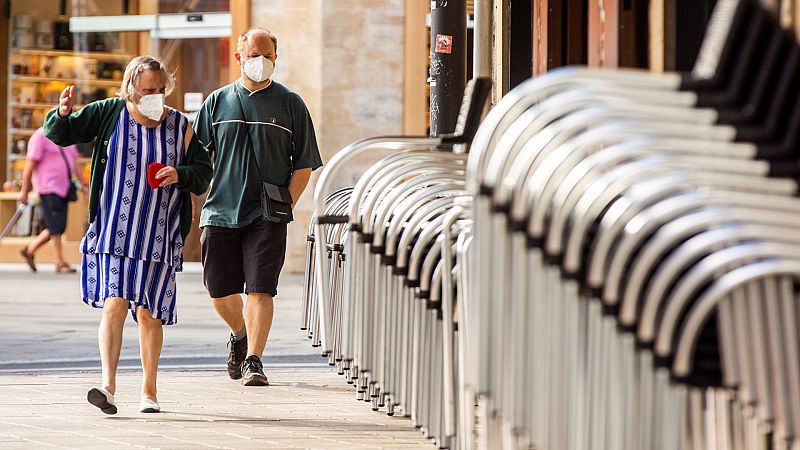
[(28, 258), (64, 268)]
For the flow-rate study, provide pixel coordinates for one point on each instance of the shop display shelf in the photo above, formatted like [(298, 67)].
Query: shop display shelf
[(30, 79), (37, 105), (21, 132), (70, 53)]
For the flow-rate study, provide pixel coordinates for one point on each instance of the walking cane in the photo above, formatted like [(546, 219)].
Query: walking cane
[(13, 221)]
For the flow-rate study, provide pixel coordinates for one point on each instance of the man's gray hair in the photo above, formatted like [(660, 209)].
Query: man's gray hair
[(244, 38), (135, 69)]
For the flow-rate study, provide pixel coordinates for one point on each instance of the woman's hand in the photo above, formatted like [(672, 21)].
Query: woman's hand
[(66, 101), (168, 175)]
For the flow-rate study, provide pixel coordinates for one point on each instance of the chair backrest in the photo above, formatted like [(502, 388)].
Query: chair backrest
[(469, 116)]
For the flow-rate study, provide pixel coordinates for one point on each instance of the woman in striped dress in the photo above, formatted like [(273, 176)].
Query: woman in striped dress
[(134, 243)]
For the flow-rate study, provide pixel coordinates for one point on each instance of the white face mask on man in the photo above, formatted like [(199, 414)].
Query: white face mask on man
[(152, 106), (258, 69)]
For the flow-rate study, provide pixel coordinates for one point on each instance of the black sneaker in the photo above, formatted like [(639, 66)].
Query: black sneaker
[(253, 372), (236, 357)]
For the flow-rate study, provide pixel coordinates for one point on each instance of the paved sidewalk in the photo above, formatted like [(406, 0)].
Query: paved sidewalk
[(49, 359), (46, 326), (302, 408)]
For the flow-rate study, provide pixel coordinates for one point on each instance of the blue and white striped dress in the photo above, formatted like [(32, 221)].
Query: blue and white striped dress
[(134, 246)]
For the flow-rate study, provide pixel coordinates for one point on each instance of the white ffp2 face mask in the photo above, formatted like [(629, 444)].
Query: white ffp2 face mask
[(258, 69), (152, 106)]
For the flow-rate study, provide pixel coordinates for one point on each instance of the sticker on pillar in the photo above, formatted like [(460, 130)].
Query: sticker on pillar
[(444, 43)]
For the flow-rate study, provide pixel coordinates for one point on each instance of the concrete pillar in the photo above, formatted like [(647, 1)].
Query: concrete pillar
[(345, 59)]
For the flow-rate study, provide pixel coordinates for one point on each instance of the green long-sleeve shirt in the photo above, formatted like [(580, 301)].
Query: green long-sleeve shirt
[(97, 120)]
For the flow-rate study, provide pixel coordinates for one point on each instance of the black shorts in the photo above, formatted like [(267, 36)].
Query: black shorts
[(247, 259), (54, 213)]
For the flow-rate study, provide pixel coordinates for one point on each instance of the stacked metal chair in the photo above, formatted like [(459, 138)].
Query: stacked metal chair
[(606, 319), (612, 265), (336, 204), (378, 293)]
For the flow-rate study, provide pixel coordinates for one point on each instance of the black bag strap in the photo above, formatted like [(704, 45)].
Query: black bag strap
[(66, 163), (247, 127)]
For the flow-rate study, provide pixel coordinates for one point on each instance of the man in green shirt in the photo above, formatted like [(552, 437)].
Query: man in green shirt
[(255, 130)]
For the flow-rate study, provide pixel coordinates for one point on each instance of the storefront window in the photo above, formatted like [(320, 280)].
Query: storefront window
[(197, 76), (45, 55), (200, 66)]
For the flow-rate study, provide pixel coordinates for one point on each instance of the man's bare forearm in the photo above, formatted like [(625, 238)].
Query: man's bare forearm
[(298, 183)]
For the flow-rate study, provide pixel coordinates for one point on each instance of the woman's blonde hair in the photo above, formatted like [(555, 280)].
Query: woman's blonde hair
[(135, 68)]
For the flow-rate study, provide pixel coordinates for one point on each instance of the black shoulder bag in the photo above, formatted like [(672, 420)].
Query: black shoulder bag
[(72, 193), (276, 201)]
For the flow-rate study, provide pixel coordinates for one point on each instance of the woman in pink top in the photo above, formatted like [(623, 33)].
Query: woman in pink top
[(50, 167)]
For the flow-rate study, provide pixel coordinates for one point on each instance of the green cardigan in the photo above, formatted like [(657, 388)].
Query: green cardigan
[(98, 120)]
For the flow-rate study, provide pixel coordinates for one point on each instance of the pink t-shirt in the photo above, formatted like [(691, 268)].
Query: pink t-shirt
[(50, 174)]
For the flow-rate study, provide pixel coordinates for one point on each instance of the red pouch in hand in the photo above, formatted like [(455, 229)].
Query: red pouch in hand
[(152, 170)]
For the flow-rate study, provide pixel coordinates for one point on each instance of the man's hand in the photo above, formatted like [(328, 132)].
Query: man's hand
[(23, 198), (66, 101)]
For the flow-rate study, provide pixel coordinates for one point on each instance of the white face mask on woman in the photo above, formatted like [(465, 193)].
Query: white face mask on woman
[(258, 69), (152, 106)]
